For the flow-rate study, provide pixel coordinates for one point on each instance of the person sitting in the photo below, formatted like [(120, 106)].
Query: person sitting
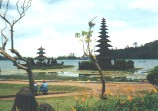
[(44, 87), (35, 87)]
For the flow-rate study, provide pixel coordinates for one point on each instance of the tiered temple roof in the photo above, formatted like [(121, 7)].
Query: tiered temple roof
[(41, 53), (104, 56)]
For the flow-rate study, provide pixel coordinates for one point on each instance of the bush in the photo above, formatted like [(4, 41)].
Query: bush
[(120, 64), (146, 102), (152, 76), (86, 65), (123, 64), (130, 64)]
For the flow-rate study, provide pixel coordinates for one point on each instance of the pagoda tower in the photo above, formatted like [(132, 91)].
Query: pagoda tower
[(104, 57), (41, 56)]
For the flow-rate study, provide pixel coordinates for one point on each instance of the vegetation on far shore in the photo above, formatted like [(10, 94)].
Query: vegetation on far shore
[(52, 67)]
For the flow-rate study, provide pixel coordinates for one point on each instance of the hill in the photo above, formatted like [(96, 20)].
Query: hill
[(148, 51)]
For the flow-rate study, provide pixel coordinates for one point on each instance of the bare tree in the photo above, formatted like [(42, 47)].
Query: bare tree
[(86, 39), (21, 7)]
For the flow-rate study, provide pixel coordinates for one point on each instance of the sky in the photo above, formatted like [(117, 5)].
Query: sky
[(52, 24)]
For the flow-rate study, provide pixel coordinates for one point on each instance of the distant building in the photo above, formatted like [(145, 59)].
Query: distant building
[(41, 58)]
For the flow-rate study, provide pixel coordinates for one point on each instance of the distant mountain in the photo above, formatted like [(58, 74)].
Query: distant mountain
[(148, 51)]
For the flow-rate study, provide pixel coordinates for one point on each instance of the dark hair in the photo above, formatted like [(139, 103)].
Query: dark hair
[(25, 100)]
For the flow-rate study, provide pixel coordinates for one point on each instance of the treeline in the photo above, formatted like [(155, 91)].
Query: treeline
[(148, 51), (58, 58), (3, 58), (68, 57)]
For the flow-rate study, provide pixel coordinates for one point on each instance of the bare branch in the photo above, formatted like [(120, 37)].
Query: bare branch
[(21, 12), (17, 6), (6, 39), (6, 8), (3, 52), (4, 16), (18, 55), (23, 9)]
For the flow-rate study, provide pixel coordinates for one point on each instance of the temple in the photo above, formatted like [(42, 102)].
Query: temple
[(41, 58), (104, 56)]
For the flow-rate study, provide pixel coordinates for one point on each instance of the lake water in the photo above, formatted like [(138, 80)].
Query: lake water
[(7, 67)]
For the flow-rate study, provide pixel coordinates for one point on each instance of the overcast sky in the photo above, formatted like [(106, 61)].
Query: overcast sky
[(52, 24)]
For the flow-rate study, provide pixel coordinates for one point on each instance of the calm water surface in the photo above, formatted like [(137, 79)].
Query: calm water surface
[(146, 65)]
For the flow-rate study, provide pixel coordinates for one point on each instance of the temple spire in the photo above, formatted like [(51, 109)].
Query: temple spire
[(104, 56)]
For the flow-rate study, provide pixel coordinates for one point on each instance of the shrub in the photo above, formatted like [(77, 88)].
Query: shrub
[(86, 65), (130, 64), (120, 64), (152, 76), (123, 64), (148, 102)]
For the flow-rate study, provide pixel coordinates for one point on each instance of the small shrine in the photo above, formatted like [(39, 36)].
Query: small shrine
[(41, 58)]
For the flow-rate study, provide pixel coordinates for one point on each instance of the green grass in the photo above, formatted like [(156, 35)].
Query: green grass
[(121, 103), (59, 103), (65, 103), (12, 89), (6, 105)]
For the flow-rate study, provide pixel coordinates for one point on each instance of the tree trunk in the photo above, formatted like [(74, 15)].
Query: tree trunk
[(29, 72), (12, 40), (103, 96)]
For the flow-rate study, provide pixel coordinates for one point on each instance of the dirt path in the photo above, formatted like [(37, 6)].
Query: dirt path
[(116, 88)]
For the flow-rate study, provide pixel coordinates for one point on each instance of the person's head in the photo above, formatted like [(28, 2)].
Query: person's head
[(25, 100)]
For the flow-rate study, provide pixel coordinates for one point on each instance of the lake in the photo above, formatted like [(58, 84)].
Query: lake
[(7, 67)]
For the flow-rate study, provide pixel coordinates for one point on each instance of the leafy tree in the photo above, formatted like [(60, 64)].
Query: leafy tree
[(21, 7), (152, 77), (86, 39)]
